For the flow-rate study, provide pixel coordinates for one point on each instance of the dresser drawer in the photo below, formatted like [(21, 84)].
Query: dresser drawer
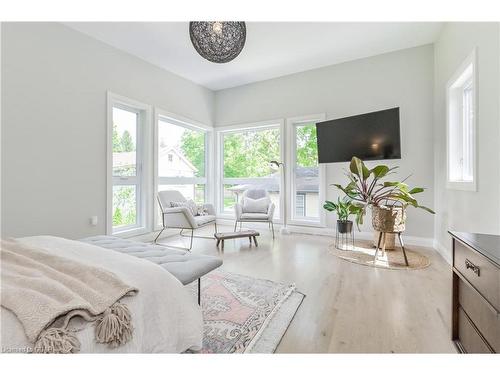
[(482, 274), (470, 339), (486, 320)]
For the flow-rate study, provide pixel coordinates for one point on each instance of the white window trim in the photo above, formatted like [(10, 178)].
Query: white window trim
[(144, 216), (463, 185), (219, 182), (209, 164), (291, 122)]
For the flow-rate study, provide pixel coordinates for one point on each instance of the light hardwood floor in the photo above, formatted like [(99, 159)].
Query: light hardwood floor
[(348, 308)]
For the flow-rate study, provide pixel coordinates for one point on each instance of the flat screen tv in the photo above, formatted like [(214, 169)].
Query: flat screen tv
[(371, 136)]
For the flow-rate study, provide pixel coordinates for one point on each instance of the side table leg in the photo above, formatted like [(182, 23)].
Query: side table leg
[(384, 242), (378, 246), (403, 248)]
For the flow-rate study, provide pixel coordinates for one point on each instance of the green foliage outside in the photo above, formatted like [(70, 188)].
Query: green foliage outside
[(127, 143), (193, 148), (307, 148), (248, 154), (124, 206), (122, 143)]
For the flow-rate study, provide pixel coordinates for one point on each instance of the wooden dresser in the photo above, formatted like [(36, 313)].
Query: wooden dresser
[(476, 292)]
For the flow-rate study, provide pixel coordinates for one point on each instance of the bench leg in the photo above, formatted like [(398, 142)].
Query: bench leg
[(250, 240), (255, 240), (222, 246), (199, 291)]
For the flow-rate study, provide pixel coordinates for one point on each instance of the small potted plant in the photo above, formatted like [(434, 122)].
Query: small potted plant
[(388, 199), (343, 208)]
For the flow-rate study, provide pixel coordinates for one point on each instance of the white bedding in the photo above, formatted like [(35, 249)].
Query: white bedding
[(165, 315)]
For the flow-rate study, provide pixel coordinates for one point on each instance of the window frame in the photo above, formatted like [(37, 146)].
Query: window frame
[(292, 123), (221, 180), (454, 108), (143, 176), (158, 180)]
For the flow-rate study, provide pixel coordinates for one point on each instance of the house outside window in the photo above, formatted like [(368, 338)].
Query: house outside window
[(181, 158)]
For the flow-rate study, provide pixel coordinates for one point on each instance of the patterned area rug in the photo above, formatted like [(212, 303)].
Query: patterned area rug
[(245, 315), (392, 259)]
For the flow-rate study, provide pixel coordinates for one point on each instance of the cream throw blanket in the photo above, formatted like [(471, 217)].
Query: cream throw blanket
[(46, 291)]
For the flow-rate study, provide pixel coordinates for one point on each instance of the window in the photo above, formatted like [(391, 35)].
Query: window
[(128, 129), (305, 174), (245, 156), (461, 126), (181, 157)]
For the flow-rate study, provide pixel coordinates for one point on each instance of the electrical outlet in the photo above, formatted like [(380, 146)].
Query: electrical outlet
[(93, 220)]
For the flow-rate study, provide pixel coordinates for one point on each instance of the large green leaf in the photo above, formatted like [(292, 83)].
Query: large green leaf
[(380, 171), (399, 185), (416, 190), (359, 168), (426, 209), (330, 206)]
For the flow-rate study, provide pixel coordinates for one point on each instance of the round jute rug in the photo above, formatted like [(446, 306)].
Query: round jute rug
[(393, 259)]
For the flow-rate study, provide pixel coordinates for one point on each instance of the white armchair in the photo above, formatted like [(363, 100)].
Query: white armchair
[(181, 217), (243, 215)]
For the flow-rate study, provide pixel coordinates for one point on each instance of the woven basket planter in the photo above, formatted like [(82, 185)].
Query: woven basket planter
[(389, 219)]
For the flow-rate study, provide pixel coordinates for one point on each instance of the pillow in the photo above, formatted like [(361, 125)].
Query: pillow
[(189, 204), (201, 210), (256, 205)]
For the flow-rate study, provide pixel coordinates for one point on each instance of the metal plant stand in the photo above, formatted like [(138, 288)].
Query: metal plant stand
[(382, 238), (344, 240)]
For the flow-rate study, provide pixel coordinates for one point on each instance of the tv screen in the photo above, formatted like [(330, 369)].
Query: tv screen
[(371, 136)]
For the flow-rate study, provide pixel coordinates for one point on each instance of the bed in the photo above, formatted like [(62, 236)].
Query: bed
[(166, 316)]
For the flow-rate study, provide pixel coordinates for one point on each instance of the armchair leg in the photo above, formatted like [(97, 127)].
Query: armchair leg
[(216, 231), (159, 234), (199, 291), (235, 225), (191, 242), (190, 239), (272, 226)]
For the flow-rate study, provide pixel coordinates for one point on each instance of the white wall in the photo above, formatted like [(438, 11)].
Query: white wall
[(54, 123), (465, 210), (403, 78)]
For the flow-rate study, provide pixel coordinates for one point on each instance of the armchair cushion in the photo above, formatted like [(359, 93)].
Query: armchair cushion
[(260, 205), (255, 216), (203, 220), (189, 204), (179, 217), (209, 208)]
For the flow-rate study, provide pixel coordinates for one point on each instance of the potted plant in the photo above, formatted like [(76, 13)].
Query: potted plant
[(343, 208), (388, 199)]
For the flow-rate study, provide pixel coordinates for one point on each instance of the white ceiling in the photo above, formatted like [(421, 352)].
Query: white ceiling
[(272, 49)]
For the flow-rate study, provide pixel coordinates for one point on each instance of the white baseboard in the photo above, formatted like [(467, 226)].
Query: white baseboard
[(329, 232), (443, 251), (410, 240)]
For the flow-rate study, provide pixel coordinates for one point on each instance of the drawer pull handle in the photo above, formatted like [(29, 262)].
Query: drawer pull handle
[(472, 266)]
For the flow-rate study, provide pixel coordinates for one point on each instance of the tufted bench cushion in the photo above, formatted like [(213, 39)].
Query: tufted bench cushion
[(185, 266)]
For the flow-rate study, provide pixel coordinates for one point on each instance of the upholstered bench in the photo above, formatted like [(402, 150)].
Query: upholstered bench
[(185, 266)]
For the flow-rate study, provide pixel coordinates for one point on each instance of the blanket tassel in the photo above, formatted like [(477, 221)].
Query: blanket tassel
[(114, 327), (57, 341)]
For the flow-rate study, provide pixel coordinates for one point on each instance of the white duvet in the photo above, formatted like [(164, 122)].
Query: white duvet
[(165, 316)]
